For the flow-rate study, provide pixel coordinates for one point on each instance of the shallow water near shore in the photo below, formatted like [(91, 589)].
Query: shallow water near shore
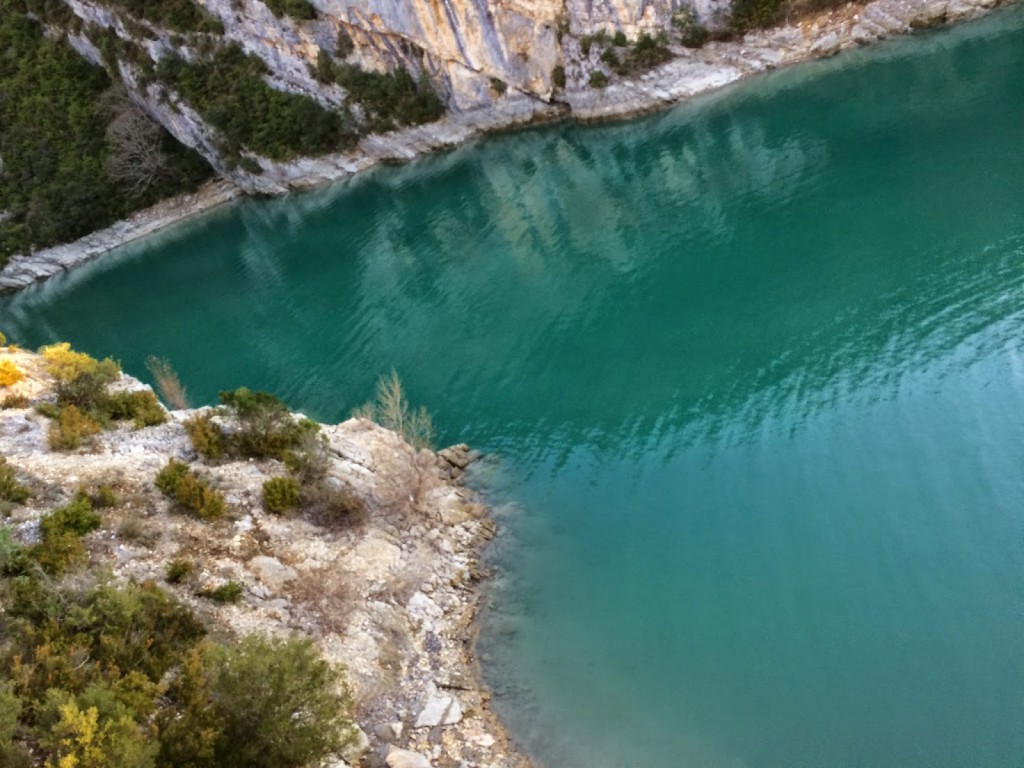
[(751, 372)]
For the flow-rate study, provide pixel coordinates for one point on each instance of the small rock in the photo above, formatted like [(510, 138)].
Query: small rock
[(272, 571), (441, 709), (403, 758), (827, 45), (354, 751)]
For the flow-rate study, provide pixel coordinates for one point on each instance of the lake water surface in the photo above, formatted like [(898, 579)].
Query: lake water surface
[(751, 375)]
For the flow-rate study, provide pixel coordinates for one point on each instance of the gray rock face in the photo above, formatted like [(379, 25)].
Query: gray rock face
[(272, 572), (440, 709)]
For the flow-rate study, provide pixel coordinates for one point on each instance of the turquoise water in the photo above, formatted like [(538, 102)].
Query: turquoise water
[(751, 373)]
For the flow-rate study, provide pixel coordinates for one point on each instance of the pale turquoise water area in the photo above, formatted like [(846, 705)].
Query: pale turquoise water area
[(751, 373)]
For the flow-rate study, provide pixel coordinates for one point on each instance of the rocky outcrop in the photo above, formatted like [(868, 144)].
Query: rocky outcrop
[(391, 597)]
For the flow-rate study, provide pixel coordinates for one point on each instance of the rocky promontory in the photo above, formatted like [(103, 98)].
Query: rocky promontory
[(388, 590)]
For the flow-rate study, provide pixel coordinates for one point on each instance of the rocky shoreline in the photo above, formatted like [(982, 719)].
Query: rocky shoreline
[(392, 596), (690, 73)]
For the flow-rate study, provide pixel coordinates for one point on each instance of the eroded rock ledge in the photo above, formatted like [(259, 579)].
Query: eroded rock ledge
[(392, 597), (689, 73)]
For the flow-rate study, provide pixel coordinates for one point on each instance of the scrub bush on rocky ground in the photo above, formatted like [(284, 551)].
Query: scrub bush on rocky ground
[(10, 489), (281, 494), (10, 374), (178, 482), (84, 404), (120, 675), (260, 426)]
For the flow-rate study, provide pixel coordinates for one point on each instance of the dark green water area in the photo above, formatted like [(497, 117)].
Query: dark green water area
[(750, 373)]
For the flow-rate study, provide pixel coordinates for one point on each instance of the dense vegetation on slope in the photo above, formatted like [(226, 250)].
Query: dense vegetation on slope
[(59, 179), (60, 144), (101, 674), (227, 88)]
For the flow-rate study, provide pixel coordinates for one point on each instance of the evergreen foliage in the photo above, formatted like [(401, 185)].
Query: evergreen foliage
[(178, 15), (282, 494), (103, 675), (392, 99), (10, 489), (300, 10), (178, 482), (227, 88), (54, 184)]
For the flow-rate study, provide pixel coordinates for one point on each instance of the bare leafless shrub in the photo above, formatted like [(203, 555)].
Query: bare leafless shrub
[(391, 410), (136, 157), (171, 390), (327, 594)]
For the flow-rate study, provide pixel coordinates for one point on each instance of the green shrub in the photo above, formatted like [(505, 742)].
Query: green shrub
[(55, 555), (281, 494), (72, 429), (49, 410), (76, 517), (227, 88), (300, 10), (179, 15), (619, 38), (207, 438), (611, 58), (754, 14), (648, 51), (104, 496), (230, 592), (3, 340), (142, 407), (344, 46), (265, 703), (60, 545), (178, 482), (80, 736), (178, 570), (598, 79), (14, 401), (267, 429), (169, 478), (558, 76), (11, 707), (323, 72), (499, 86), (10, 489), (391, 99), (693, 34)]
